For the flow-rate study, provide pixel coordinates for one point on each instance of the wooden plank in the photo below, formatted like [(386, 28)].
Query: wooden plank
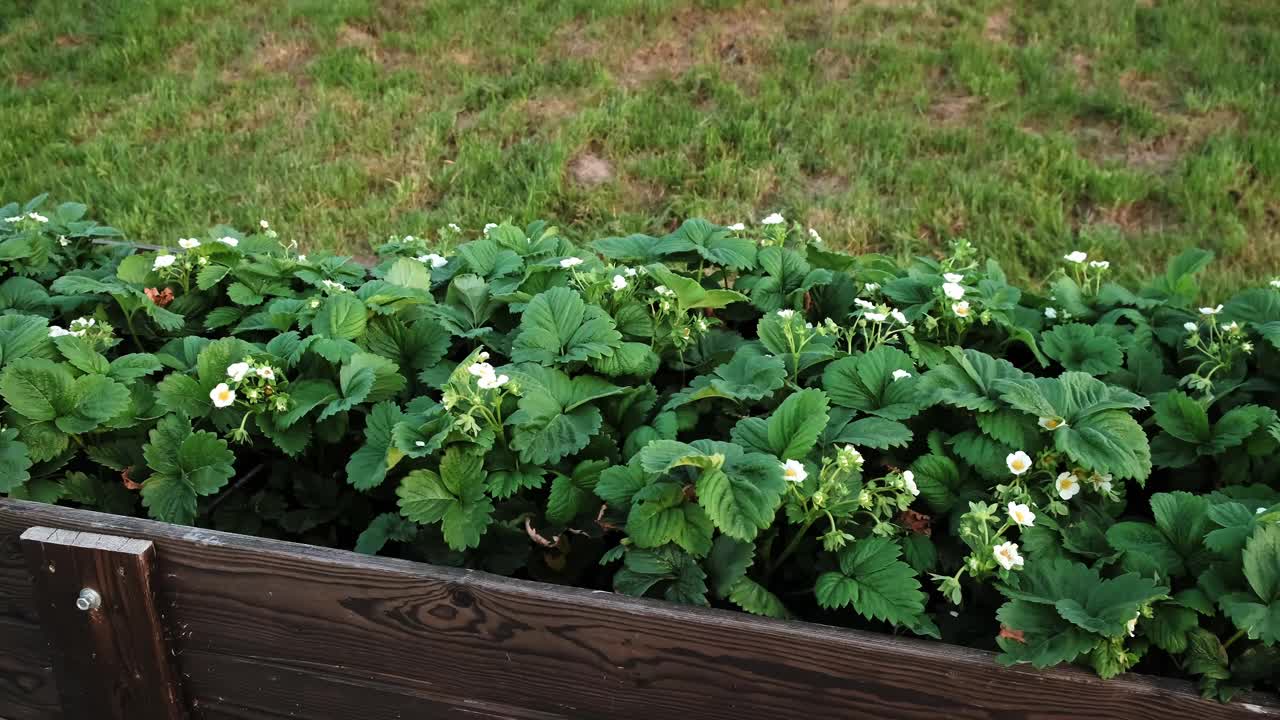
[(27, 688), (95, 600), (267, 629)]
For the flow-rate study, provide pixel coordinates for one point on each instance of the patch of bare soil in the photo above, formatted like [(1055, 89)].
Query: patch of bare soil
[(999, 26), (589, 170), (1104, 144), (735, 39), (23, 79), (952, 108)]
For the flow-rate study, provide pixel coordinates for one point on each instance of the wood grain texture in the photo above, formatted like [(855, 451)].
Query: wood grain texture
[(267, 629), (113, 661)]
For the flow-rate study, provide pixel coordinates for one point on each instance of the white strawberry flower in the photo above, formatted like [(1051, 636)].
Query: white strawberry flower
[(1099, 264), (266, 373), (58, 331), (864, 304), (898, 315), (432, 259), (876, 317), (773, 219), (164, 261), (1006, 554), (1101, 483), (37, 217), (953, 290), (222, 395), (1067, 485), (1018, 462), (900, 374), (63, 241), (1021, 515), (814, 234), (786, 314), (188, 243), (630, 272), (848, 456), (737, 227), (481, 369), (1051, 313), (13, 219), (793, 471), (570, 262), (1076, 257), (1231, 326), (871, 287), (1132, 625), (953, 277), (619, 282), (492, 382), (229, 241), (1210, 310), (961, 309), (488, 227), (237, 371), (455, 227), (1051, 423), (909, 479), (664, 291), (264, 224), (1190, 327), (1275, 283), (333, 285)]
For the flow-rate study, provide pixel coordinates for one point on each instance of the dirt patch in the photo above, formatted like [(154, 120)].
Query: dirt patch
[(1144, 217), (952, 109), (733, 39), (67, 41), (1081, 66), (589, 170), (1105, 144), (998, 26), (276, 54), (826, 185), (23, 79), (353, 36)]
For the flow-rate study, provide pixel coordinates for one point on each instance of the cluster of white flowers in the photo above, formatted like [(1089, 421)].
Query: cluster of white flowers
[(814, 235), (793, 471), (228, 241), (486, 377), (570, 262), (618, 283), (1051, 313), (455, 227), (30, 216), (188, 243), (737, 227), (78, 328), (223, 395), (334, 286), (773, 219), (664, 291), (432, 259), (871, 287), (1076, 257), (164, 261)]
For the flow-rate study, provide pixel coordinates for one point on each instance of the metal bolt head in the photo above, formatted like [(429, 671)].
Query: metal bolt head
[(89, 600)]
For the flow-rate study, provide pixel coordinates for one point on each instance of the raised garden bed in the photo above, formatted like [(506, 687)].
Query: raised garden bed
[(268, 629)]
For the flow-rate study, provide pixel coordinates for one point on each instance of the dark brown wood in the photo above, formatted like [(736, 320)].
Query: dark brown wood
[(112, 661), (268, 629)]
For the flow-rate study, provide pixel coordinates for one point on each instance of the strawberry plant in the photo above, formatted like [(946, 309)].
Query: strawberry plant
[(1076, 473)]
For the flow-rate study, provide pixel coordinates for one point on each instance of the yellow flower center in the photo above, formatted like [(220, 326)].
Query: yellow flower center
[(789, 473), (224, 396), (1018, 464), (1052, 424), (1065, 484)]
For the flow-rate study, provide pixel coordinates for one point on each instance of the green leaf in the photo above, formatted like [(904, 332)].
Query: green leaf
[(341, 317), (1238, 523), (969, 381), (875, 432), (866, 382), (1170, 627), (15, 461), (631, 358), (1182, 417), (1145, 550), (1238, 423), (748, 376), (1048, 639), (407, 272), (368, 465), (728, 563), (743, 495), (185, 465), (794, 426), (714, 243), (81, 355), (1080, 347), (939, 481), (557, 327), (1262, 563), (874, 582), (555, 418), (385, 528), (754, 598), (661, 513), (36, 388), (130, 367), (455, 498)]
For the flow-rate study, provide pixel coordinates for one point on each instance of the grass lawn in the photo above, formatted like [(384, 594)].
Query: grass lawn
[(1128, 129)]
